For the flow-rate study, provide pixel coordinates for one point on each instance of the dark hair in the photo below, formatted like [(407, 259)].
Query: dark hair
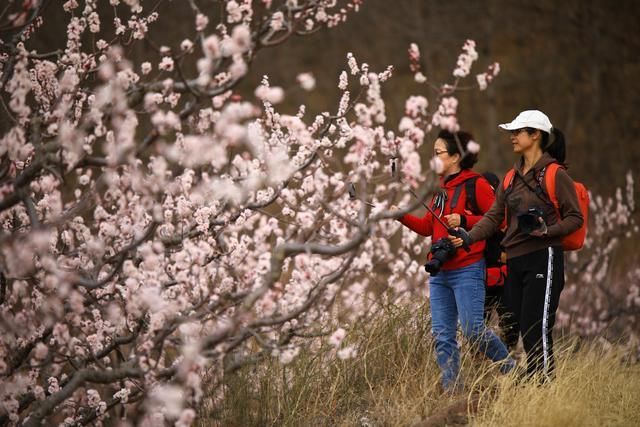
[(556, 148), (452, 139)]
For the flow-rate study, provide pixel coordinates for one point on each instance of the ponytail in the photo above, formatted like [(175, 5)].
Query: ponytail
[(557, 147)]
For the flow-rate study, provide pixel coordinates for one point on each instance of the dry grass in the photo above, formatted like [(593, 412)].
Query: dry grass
[(395, 382), (593, 387)]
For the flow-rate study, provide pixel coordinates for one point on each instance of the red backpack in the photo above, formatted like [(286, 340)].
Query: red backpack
[(575, 240)]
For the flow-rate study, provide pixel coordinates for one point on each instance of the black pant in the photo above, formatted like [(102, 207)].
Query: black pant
[(533, 287), (495, 299)]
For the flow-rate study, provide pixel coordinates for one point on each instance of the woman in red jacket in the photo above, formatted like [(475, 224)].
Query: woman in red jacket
[(456, 285)]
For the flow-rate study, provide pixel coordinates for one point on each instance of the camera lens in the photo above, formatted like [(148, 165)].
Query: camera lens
[(432, 267), (441, 252)]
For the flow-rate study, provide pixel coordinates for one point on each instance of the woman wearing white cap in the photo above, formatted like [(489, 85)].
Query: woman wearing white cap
[(533, 239)]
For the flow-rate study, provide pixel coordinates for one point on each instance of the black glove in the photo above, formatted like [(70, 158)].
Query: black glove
[(464, 235)]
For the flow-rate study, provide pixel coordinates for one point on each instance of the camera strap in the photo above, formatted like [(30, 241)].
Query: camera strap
[(538, 191)]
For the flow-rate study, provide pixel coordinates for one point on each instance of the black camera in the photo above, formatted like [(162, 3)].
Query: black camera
[(441, 251), (530, 220)]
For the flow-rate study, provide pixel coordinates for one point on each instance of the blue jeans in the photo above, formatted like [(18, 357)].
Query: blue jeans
[(459, 294)]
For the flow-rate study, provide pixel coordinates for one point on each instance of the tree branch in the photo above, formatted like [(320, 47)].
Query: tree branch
[(79, 378)]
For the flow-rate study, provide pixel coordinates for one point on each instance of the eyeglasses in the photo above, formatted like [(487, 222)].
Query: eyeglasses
[(438, 152), (516, 132)]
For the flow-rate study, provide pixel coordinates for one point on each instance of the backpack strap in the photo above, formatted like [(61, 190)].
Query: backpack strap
[(456, 196), (507, 185), (550, 183), (508, 179), (470, 190)]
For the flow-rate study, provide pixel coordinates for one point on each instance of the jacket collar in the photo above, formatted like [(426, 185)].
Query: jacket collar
[(542, 162), (456, 179)]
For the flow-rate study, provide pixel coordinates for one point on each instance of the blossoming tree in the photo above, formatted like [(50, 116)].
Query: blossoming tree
[(598, 302), (156, 227)]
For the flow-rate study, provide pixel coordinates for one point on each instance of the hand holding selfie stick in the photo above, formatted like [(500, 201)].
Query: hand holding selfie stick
[(457, 232)]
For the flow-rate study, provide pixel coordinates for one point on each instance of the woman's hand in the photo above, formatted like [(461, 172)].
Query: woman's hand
[(453, 220), (460, 237), (457, 242)]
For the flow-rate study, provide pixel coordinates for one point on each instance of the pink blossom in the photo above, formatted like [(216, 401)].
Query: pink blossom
[(234, 11), (406, 124), (277, 21), (482, 81), (186, 418), (166, 64), (238, 68), (449, 105), (416, 105), (69, 80), (309, 24), (139, 28), (450, 123), (172, 99), (69, 5), (41, 351), (286, 356), (353, 65), (336, 338), (211, 47), (169, 398), (473, 147), (152, 100), (436, 164), (53, 385), (127, 77), (201, 22), (307, 81), (186, 45), (347, 353), (102, 44), (414, 52), (38, 392), (166, 121), (241, 35), (411, 166), (344, 103), (386, 74), (145, 68), (94, 22), (466, 59), (274, 95), (343, 82), (93, 398), (122, 395), (11, 405)]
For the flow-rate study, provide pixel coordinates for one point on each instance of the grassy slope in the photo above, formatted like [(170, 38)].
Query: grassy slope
[(395, 381)]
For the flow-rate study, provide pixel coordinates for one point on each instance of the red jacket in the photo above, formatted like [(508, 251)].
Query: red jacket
[(427, 226)]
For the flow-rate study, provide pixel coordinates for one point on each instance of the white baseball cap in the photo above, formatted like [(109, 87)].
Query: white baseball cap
[(530, 119)]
